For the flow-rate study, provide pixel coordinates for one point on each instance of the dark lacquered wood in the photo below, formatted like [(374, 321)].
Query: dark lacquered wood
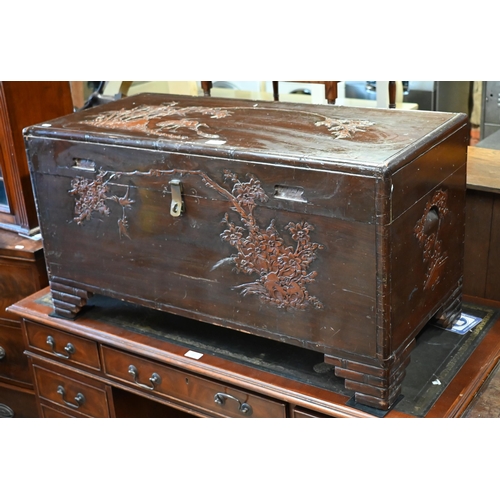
[(366, 196)]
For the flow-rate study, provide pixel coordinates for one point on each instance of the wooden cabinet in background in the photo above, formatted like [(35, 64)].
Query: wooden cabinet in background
[(482, 229), (22, 266), (22, 272)]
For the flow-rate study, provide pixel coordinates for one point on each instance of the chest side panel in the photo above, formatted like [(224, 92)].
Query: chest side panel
[(284, 253), (427, 237)]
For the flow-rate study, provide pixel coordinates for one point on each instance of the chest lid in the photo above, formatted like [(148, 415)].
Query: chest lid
[(324, 137)]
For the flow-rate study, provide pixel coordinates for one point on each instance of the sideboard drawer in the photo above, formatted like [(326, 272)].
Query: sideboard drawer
[(69, 393), (205, 394), (298, 412), (63, 346), (51, 413)]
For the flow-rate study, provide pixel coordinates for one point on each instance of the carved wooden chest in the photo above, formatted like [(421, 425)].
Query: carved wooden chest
[(331, 228)]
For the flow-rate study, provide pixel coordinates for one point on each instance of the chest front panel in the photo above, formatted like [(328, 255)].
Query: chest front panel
[(282, 252)]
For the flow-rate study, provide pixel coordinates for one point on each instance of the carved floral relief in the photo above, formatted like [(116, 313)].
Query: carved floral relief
[(91, 196), (427, 231), (173, 122), (281, 271)]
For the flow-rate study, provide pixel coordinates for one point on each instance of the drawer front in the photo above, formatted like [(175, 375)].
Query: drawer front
[(17, 403), (13, 362), (299, 412), (51, 413), (197, 391), (63, 346), (69, 393)]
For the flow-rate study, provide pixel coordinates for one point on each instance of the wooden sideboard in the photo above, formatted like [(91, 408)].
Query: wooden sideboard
[(22, 267), (122, 360), (22, 272)]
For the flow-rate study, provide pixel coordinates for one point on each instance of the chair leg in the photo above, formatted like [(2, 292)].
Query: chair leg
[(206, 86)]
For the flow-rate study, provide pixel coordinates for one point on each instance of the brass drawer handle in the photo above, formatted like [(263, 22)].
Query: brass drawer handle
[(5, 411), (2, 352), (79, 398), (155, 379), (70, 348), (220, 398)]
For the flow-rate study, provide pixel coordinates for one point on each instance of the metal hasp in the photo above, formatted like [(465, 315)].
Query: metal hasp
[(177, 205)]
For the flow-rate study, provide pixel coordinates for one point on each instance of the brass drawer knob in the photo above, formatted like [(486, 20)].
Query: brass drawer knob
[(2, 352), (68, 350)]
